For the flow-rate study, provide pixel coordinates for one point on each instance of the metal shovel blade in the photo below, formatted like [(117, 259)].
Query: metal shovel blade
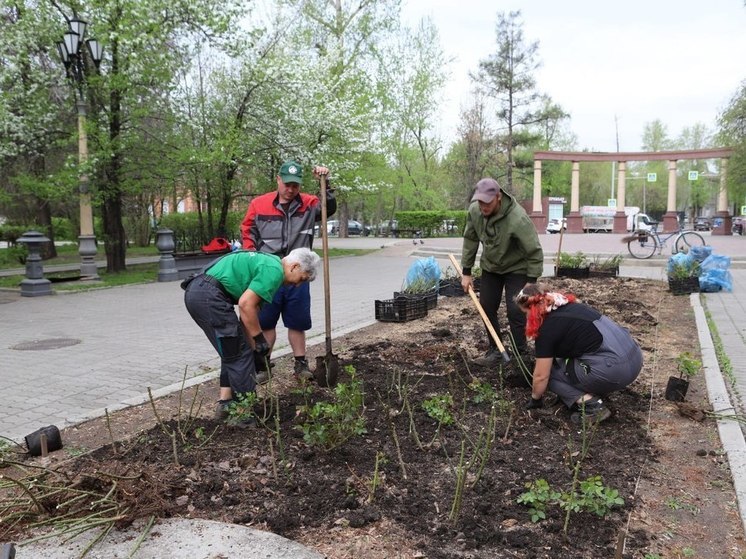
[(327, 370)]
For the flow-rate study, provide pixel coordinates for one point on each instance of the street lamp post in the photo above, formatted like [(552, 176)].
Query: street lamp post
[(74, 57)]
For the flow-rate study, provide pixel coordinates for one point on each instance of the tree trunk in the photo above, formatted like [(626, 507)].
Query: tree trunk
[(115, 243), (114, 236)]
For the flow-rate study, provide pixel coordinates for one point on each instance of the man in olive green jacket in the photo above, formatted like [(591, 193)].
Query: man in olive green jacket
[(511, 257)]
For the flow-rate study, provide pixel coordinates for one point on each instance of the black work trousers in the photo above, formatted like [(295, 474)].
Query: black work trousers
[(490, 297), (213, 311)]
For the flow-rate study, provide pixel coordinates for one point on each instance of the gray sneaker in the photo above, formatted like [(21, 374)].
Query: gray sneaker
[(262, 377), (490, 359), (221, 410), (240, 423), (592, 411), (301, 370)]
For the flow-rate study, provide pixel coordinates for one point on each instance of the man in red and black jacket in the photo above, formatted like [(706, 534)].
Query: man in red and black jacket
[(276, 223)]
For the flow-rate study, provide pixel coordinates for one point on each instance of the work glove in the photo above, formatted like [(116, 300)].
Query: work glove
[(261, 347), (531, 280), (534, 404)]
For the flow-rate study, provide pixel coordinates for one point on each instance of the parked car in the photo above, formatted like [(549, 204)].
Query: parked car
[(554, 225), (702, 224), (738, 225), (353, 228)]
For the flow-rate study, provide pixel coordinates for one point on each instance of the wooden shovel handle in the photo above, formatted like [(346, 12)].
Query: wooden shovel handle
[(486, 320), (325, 247)]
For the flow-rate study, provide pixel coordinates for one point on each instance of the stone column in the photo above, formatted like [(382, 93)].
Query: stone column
[(537, 216), (574, 220), (620, 217), (35, 284), (671, 218), (725, 220), (164, 242)]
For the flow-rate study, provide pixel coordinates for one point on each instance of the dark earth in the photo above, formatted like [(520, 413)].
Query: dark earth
[(417, 453)]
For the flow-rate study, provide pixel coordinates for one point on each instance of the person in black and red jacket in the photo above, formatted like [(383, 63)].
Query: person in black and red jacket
[(276, 223)]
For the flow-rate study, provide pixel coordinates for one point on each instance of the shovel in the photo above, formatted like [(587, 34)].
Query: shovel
[(487, 323), (327, 366)]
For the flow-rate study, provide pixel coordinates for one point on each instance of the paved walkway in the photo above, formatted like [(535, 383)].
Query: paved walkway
[(65, 358)]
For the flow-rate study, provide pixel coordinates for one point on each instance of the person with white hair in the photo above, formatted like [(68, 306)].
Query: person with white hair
[(248, 279)]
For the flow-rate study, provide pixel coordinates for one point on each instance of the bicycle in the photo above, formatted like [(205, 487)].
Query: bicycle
[(644, 244)]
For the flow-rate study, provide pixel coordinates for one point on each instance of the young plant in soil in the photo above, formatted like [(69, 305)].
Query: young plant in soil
[(439, 408), (419, 286), (328, 425), (607, 264), (687, 365), (683, 271), (185, 424), (576, 260)]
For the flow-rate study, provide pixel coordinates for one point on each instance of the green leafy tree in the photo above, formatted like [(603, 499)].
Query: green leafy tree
[(33, 119), (507, 76), (146, 42), (475, 154), (732, 133)]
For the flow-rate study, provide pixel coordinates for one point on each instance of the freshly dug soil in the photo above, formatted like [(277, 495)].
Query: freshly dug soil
[(419, 453)]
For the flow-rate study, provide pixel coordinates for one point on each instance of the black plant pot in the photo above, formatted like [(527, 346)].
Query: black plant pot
[(676, 389), (451, 289), (54, 440), (603, 272), (566, 272), (683, 286)]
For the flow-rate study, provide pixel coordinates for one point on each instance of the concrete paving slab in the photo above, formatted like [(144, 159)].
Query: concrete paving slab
[(174, 538)]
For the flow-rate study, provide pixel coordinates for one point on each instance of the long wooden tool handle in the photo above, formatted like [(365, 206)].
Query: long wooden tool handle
[(325, 248), (486, 320), (559, 248)]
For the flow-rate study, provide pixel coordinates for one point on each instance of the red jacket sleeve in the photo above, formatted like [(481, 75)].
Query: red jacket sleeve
[(247, 241)]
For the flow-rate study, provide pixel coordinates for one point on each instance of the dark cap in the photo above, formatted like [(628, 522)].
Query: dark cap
[(291, 171), (485, 191)]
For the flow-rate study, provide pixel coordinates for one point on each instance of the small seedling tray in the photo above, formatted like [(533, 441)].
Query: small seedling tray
[(400, 310), (683, 286), (431, 298)]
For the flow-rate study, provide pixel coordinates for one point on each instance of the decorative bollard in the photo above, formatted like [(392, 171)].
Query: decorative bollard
[(164, 242), (35, 284)]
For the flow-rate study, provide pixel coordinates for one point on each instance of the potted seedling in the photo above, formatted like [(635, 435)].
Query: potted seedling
[(450, 284), (572, 265), (608, 267), (683, 277), (687, 366), (420, 288)]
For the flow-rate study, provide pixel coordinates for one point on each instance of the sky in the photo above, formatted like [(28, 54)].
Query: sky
[(613, 66)]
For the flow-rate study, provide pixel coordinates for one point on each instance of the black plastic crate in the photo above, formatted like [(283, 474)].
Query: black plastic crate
[(451, 289), (431, 298), (400, 310), (683, 286)]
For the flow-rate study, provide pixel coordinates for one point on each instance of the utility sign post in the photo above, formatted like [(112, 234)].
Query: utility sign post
[(611, 202), (693, 175), (652, 177)]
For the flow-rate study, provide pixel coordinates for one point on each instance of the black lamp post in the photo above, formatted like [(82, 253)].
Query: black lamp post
[(74, 56)]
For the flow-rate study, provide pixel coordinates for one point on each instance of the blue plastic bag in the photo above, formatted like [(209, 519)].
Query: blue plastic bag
[(423, 271), (700, 253), (714, 274)]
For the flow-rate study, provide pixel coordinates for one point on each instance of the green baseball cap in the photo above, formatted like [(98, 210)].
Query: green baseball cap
[(291, 171)]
